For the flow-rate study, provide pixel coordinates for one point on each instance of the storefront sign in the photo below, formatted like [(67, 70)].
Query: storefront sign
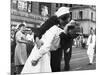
[(28, 15)]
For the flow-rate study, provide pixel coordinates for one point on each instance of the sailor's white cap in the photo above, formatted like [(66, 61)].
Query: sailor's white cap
[(61, 11)]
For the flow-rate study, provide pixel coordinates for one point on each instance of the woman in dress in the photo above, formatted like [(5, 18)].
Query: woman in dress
[(20, 49)]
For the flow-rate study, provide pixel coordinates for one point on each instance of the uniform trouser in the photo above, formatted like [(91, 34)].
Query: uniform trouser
[(56, 57), (90, 53), (67, 57), (56, 60), (90, 58)]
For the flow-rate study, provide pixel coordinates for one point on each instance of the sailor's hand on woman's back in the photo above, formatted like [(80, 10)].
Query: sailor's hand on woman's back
[(39, 43)]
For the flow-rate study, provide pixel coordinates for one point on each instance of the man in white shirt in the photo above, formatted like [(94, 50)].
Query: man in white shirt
[(91, 46), (30, 36)]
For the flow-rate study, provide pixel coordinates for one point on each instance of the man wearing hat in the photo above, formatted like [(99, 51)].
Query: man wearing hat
[(51, 21), (66, 41), (63, 15), (46, 34), (91, 42)]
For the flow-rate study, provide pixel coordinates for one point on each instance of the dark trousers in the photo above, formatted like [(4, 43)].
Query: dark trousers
[(56, 60), (56, 57), (29, 48), (13, 45), (67, 57)]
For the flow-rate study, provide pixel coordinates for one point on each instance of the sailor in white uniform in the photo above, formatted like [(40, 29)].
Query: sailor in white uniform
[(39, 59), (91, 46)]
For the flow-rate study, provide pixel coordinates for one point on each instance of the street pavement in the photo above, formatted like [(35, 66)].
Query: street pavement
[(79, 60)]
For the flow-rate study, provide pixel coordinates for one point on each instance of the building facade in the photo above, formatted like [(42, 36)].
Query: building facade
[(86, 16), (27, 12), (31, 13)]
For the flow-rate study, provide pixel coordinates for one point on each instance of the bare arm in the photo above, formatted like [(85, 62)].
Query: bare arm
[(20, 38)]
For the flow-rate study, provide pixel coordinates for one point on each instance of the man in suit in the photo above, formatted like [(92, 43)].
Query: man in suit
[(61, 18), (56, 55), (66, 46)]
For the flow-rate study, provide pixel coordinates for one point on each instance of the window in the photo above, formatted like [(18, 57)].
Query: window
[(71, 15), (70, 5), (80, 15), (45, 9), (14, 4), (22, 5), (57, 5), (29, 6), (14, 1), (81, 30), (61, 5), (66, 5), (91, 15)]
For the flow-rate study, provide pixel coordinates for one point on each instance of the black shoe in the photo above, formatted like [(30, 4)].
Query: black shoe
[(15, 73), (90, 64), (67, 68)]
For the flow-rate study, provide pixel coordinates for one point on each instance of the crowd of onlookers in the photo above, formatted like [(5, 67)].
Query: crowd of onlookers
[(80, 41), (29, 36)]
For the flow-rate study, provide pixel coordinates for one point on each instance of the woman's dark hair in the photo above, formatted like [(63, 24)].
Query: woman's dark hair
[(21, 25), (53, 20)]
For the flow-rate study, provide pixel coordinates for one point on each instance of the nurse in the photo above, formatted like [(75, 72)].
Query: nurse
[(20, 49)]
